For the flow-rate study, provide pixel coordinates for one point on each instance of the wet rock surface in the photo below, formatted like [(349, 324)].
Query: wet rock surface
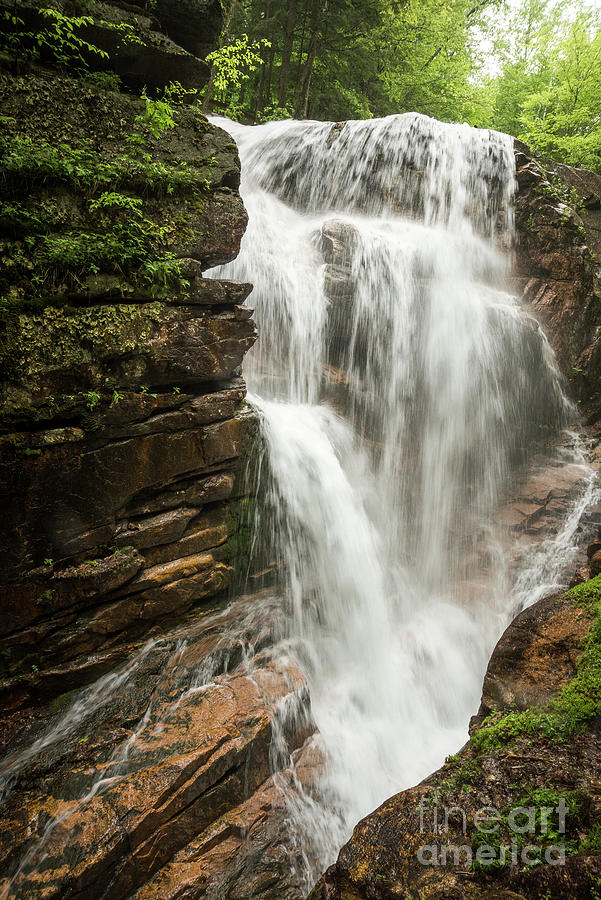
[(158, 780), (558, 219)]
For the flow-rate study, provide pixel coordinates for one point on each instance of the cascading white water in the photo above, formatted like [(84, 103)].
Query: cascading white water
[(399, 386)]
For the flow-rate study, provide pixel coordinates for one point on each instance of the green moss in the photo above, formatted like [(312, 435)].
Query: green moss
[(66, 338), (546, 832), (37, 161), (54, 243), (592, 841), (62, 700), (587, 594), (578, 702)]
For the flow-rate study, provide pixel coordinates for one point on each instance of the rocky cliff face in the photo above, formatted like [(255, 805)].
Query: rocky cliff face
[(123, 417), (558, 266), (124, 439)]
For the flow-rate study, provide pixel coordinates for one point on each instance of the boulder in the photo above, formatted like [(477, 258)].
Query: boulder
[(136, 46), (194, 24)]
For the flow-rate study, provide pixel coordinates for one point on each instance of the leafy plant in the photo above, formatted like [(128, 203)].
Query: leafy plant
[(235, 62), (60, 38), (158, 116), (93, 399)]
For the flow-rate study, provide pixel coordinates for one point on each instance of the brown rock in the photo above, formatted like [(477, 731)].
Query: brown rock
[(194, 24), (582, 574), (557, 265), (593, 548), (194, 802), (595, 563), (152, 61), (133, 346), (535, 657)]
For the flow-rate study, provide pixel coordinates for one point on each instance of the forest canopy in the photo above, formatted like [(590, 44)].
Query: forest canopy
[(531, 68)]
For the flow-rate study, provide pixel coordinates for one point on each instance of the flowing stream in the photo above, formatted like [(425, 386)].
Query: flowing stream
[(405, 398), (401, 391)]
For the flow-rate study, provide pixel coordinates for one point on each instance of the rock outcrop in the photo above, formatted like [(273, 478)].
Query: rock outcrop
[(148, 45), (150, 735), (477, 827), (157, 781), (535, 740), (558, 266)]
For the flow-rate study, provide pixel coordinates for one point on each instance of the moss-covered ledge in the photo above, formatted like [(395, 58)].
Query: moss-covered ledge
[(114, 348)]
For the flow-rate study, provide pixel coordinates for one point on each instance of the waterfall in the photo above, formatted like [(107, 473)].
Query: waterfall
[(401, 388)]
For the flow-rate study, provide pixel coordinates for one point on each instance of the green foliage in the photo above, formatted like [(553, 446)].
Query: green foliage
[(587, 594), (270, 113), (158, 116), (49, 245), (124, 241), (549, 91), (234, 63), (592, 841), (93, 398), (127, 33), (83, 167), (60, 38), (351, 59), (176, 94), (108, 81), (531, 69)]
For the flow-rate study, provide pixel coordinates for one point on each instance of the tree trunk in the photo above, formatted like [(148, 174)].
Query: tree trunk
[(306, 79), (259, 100), (270, 71), (287, 53), (299, 65), (301, 104)]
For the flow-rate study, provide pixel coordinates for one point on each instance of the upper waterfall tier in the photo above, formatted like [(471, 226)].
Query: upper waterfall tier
[(444, 174)]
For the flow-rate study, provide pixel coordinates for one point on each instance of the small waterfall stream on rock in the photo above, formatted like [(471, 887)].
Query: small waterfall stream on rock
[(401, 388)]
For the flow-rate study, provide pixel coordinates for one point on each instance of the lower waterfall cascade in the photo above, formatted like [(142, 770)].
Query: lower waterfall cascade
[(401, 389), (405, 397)]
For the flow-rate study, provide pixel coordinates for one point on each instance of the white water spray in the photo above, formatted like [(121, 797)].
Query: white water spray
[(400, 388)]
